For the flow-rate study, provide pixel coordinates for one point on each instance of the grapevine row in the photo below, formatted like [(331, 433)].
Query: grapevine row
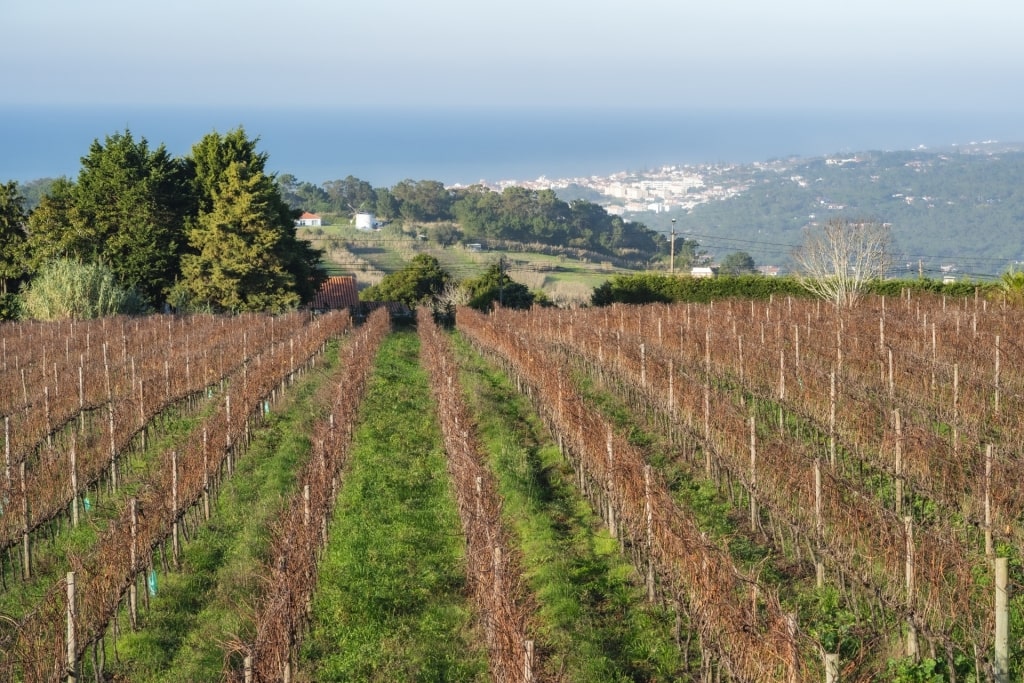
[(302, 530), (493, 569), (52, 637), (740, 625), (48, 485), (842, 520)]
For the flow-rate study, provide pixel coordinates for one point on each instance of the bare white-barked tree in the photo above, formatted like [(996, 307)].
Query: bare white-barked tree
[(839, 258)]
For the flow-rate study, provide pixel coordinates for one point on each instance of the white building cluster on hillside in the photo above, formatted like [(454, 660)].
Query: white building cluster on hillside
[(667, 189)]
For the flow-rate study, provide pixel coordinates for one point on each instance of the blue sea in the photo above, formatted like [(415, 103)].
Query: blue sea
[(464, 146)]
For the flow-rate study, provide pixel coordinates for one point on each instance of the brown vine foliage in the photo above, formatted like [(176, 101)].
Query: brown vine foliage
[(741, 625), (493, 564), (34, 648)]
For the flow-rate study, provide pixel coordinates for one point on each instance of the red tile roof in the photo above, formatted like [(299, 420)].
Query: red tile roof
[(337, 291), (307, 214)]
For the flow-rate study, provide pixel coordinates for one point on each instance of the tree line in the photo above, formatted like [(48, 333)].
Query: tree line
[(516, 214), (209, 231)]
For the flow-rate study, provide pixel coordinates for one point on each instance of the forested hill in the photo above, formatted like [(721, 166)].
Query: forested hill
[(961, 208)]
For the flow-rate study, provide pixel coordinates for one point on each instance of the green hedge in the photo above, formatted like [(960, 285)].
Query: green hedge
[(656, 287)]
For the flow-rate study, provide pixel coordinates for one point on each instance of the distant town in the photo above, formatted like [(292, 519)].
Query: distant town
[(954, 211), (671, 188)]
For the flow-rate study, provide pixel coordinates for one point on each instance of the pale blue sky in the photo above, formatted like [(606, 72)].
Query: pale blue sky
[(872, 54)]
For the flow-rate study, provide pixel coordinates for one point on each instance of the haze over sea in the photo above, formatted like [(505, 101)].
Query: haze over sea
[(463, 146)]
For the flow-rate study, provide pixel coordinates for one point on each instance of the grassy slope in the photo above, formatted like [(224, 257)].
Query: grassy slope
[(390, 605), (594, 621), (562, 278)]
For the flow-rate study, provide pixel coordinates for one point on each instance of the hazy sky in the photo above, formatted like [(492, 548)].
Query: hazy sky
[(873, 54)]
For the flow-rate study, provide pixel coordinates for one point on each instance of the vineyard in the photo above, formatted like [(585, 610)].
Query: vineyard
[(874, 454), (795, 492)]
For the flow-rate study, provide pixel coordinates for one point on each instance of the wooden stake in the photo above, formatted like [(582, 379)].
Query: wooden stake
[(649, 519), (831, 668), (72, 633), (133, 590), (912, 648), (899, 461), (26, 542), (612, 526), (832, 420), (1001, 660), (996, 382), (754, 517), (989, 550), (73, 466), (176, 523)]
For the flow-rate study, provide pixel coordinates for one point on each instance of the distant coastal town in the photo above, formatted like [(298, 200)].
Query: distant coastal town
[(671, 188)]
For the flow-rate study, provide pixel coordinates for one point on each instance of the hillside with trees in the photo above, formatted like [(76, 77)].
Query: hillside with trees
[(959, 208)]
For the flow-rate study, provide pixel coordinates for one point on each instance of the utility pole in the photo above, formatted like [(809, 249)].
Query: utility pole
[(501, 280), (672, 249)]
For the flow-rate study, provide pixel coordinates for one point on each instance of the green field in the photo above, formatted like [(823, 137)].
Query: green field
[(371, 255)]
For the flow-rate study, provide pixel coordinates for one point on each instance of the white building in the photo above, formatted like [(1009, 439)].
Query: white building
[(309, 220), (365, 221)]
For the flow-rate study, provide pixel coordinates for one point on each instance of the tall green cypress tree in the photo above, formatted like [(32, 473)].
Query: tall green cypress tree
[(239, 260), (12, 234), (243, 251), (130, 209)]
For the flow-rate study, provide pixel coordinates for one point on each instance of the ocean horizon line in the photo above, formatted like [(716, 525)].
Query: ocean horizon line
[(466, 145)]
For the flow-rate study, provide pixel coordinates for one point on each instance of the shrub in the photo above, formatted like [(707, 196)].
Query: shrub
[(66, 288)]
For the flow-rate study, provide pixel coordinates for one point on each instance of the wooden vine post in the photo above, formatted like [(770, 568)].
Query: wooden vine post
[(643, 366), (73, 466), (175, 523), (26, 542), (110, 423), (831, 668), (1001, 660), (72, 635), (133, 589), (707, 403), (227, 437), (649, 519), (7, 450), (610, 490), (832, 420), (754, 517), (898, 422), (956, 407), (819, 525), (306, 511), (989, 549), (995, 402), (206, 475), (912, 649)]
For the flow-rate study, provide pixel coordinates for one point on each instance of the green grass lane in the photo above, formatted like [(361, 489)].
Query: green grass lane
[(595, 622), (391, 601), (198, 610)]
